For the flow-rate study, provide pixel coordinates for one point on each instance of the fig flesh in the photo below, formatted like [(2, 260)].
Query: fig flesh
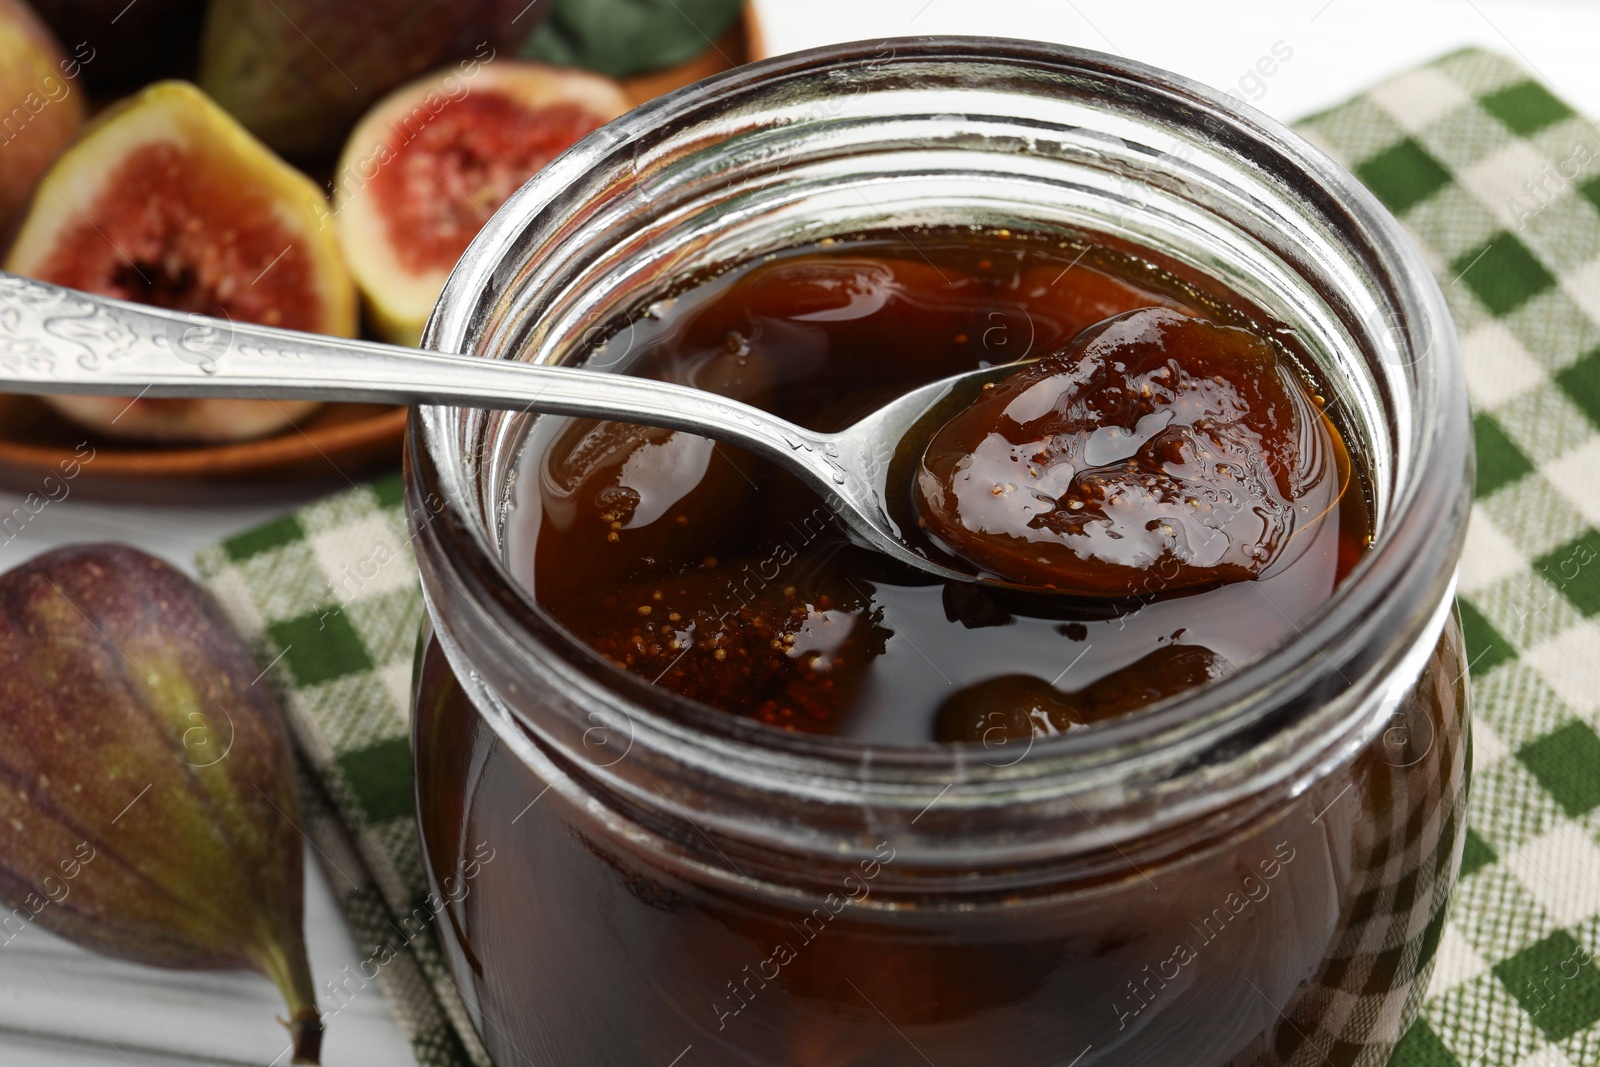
[(299, 73), (149, 808), (165, 200), (426, 168), (40, 108)]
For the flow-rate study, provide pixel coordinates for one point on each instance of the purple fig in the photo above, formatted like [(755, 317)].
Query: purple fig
[(148, 806), (299, 73)]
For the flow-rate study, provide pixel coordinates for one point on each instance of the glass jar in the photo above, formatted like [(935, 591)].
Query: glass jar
[(1255, 872)]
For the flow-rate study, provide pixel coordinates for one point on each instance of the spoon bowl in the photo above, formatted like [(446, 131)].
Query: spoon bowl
[(62, 341)]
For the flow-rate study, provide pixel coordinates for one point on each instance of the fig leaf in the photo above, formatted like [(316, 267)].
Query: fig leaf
[(148, 803), (626, 37)]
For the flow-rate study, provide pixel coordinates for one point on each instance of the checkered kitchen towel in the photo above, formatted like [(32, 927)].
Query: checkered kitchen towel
[(1499, 182)]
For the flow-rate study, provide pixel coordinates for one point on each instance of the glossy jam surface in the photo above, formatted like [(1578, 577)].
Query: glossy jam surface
[(1187, 484), (1156, 452)]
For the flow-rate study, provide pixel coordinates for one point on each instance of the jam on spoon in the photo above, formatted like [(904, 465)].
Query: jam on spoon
[(1156, 452)]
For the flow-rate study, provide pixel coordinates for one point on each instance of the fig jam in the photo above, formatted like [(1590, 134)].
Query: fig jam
[(1212, 502), (614, 904), (1156, 452)]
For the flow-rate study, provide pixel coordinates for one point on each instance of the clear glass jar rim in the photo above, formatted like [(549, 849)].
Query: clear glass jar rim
[(1395, 590)]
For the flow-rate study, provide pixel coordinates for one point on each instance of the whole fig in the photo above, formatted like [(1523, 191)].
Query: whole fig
[(148, 808), (39, 107), (299, 73)]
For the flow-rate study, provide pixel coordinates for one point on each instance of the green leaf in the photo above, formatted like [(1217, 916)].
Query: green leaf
[(627, 37)]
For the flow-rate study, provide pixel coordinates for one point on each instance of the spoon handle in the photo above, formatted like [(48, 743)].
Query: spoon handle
[(58, 340)]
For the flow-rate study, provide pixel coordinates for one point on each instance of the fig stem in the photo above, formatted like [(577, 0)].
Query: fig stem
[(291, 973), (305, 1030)]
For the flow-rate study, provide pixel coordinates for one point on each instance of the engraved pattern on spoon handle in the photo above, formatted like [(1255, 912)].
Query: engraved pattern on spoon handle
[(59, 340), (55, 339), (45, 330)]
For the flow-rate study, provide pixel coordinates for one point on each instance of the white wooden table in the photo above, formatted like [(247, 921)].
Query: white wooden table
[(61, 1007)]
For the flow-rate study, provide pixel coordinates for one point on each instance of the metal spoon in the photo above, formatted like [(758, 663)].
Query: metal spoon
[(57, 340)]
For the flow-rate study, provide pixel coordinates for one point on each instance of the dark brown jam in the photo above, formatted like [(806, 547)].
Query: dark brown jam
[(1164, 474), (582, 938), (608, 920), (1157, 452)]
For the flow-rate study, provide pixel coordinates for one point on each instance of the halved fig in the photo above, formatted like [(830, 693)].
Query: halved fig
[(40, 106), (166, 200), (432, 161)]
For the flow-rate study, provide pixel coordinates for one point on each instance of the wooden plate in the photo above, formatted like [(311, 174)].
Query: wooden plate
[(338, 444)]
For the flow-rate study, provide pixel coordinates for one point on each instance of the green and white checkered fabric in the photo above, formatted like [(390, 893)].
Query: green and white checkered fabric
[(1499, 182), (330, 597)]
